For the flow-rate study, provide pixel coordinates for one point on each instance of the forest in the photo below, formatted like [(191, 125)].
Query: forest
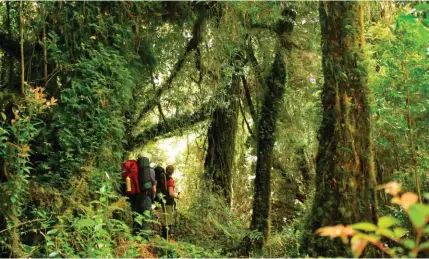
[(295, 128)]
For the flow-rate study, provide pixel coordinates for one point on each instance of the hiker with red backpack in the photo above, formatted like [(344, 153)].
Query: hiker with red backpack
[(166, 196), (140, 188)]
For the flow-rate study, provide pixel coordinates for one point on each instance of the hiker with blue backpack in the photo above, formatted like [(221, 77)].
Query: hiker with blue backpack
[(141, 189)]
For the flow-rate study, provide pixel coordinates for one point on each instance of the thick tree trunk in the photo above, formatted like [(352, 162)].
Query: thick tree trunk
[(221, 141), (345, 168), (266, 137), (274, 84)]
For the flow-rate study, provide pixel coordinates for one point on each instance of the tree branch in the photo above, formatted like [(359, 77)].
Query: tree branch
[(152, 79), (192, 45), (245, 120), (249, 98), (175, 123)]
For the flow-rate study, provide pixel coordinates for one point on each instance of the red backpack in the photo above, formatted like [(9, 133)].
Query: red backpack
[(130, 169)]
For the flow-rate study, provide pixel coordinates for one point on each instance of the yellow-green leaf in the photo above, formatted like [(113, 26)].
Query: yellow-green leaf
[(417, 215), (370, 238), (410, 244), (85, 223), (386, 232), (366, 226), (399, 232), (387, 222)]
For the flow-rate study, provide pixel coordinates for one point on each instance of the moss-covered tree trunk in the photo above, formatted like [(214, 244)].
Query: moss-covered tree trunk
[(274, 84), (221, 141), (345, 168), (266, 138)]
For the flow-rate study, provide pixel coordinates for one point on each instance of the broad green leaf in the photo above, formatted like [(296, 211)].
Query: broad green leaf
[(399, 232), (406, 17), (3, 116), (386, 232), (366, 226), (53, 254), (417, 215), (370, 238), (410, 244), (387, 222), (52, 231), (13, 199), (421, 7), (426, 195), (85, 223)]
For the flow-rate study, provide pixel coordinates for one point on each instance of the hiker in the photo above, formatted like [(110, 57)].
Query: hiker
[(161, 184), (141, 188), (147, 184), (167, 218)]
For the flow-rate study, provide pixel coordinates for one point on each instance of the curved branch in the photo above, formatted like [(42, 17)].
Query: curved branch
[(245, 120), (191, 46), (162, 130), (249, 98)]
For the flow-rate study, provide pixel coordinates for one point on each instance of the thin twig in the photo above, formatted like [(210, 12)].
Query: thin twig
[(18, 225)]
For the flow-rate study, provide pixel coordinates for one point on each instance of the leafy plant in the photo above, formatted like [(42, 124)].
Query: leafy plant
[(15, 140), (93, 232), (388, 228)]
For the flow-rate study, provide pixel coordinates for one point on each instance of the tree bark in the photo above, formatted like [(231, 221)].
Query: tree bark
[(266, 137), (345, 189)]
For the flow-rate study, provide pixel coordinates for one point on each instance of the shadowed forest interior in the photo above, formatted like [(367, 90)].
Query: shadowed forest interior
[(295, 129)]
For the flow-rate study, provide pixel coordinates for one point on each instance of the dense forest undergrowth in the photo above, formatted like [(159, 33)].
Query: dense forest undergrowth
[(286, 122)]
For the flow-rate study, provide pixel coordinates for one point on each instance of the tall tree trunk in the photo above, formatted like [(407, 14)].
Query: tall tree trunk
[(221, 141), (275, 84), (345, 168), (266, 137)]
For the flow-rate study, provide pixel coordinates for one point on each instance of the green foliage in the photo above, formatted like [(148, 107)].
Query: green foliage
[(107, 60), (93, 232), (15, 154), (387, 228), (89, 119), (401, 96)]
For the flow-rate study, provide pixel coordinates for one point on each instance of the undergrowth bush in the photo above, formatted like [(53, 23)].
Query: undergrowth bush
[(15, 137), (211, 224), (406, 242)]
